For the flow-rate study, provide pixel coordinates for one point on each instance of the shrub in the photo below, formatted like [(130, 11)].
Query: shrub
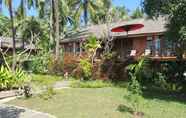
[(141, 70), (135, 95), (90, 84), (86, 68), (10, 79), (163, 82), (55, 66), (114, 69), (134, 86), (40, 62)]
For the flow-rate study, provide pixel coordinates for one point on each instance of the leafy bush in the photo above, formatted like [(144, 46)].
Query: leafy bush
[(163, 82), (114, 69), (134, 86), (40, 62), (139, 69), (135, 95), (90, 84), (55, 66), (86, 68), (10, 79)]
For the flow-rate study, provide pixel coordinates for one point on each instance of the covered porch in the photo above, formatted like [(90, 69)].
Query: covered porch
[(153, 46)]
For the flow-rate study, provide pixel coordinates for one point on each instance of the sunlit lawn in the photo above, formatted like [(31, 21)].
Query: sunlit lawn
[(102, 103), (39, 79)]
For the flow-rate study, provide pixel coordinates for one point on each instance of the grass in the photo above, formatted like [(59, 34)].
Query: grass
[(90, 84), (103, 103), (39, 80)]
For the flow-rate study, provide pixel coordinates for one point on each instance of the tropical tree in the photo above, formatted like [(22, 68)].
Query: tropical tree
[(56, 23), (118, 13), (59, 17), (137, 13), (87, 8), (5, 25), (8, 3), (101, 15)]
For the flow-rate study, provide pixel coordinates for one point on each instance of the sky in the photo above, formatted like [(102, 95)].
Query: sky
[(129, 4)]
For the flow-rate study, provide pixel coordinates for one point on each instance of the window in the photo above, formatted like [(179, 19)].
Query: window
[(77, 47), (157, 43), (150, 45)]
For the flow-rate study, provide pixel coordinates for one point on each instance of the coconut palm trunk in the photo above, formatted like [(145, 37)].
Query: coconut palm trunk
[(56, 23), (13, 35), (85, 6)]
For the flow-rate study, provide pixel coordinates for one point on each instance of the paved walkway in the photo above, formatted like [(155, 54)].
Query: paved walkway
[(62, 84), (7, 111)]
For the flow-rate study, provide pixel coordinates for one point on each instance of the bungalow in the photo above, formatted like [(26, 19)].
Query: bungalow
[(149, 40), (6, 44)]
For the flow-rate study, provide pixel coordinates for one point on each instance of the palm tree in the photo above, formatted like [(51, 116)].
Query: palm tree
[(56, 23), (137, 13), (100, 16), (10, 8), (5, 25), (86, 8)]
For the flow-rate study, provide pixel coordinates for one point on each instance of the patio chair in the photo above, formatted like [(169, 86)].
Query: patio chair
[(147, 52), (133, 53)]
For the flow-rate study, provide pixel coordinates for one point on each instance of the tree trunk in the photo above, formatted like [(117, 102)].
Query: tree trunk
[(85, 6), (13, 37), (52, 26), (56, 14)]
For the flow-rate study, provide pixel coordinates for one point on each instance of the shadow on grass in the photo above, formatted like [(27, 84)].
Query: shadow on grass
[(157, 93), (10, 112), (124, 108)]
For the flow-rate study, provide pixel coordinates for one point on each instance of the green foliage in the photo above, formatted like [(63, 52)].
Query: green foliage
[(135, 94), (88, 8), (175, 12), (55, 66), (45, 80), (134, 86), (44, 62), (10, 79), (86, 68), (91, 47), (90, 84), (109, 56), (40, 62), (48, 94), (162, 81), (138, 13), (138, 70), (92, 44), (4, 25), (135, 101)]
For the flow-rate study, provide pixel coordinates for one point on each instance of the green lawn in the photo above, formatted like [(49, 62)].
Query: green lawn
[(102, 103), (39, 79)]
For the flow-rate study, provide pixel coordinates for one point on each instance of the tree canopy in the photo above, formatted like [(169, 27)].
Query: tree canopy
[(175, 12)]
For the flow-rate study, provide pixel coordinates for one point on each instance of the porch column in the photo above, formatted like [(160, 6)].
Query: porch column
[(122, 49), (0, 43), (74, 48), (80, 46)]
